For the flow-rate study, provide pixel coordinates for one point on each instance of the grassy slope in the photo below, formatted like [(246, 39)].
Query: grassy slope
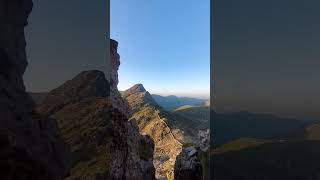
[(196, 113), (240, 144), (83, 122)]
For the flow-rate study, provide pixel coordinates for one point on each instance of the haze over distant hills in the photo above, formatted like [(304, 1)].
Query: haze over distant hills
[(234, 125), (171, 102)]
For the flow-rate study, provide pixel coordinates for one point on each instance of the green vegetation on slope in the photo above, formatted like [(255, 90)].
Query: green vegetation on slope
[(85, 128), (240, 144), (81, 121), (95, 166), (196, 113), (183, 108)]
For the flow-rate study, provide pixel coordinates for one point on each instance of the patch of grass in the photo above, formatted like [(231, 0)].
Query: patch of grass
[(97, 164), (240, 144), (183, 107)]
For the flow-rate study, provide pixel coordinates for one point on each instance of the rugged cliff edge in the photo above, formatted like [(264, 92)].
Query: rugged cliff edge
[(148, 115), (130, 152), (30, 145)]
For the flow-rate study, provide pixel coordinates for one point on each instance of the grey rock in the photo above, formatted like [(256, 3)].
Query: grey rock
[(127, 161), (188, 165)]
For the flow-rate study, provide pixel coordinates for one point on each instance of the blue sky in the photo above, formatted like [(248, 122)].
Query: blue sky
[(163, 44)]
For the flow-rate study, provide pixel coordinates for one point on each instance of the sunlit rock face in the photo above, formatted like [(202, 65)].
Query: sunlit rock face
[(130, 152), (30, 145), (152, 123)]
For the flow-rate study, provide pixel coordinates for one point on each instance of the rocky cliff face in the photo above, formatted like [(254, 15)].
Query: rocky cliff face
[(30, 145), (188, 165), (130, 152), (148, 115), (116, 100)]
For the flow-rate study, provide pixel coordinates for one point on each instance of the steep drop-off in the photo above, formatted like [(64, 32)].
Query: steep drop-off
[(149, 118)]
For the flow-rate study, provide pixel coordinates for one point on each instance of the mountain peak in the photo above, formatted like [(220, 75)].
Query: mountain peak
[(87, 84), (137, 88), (139, 94)]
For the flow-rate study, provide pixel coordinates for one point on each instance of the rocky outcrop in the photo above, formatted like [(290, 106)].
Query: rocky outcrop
[(130, 152), (30, 145), (203, 142), (188, 165), (116, 100), (148, 115)]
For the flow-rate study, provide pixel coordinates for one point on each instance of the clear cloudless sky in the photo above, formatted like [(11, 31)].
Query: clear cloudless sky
[(163, 44), (267, 57)]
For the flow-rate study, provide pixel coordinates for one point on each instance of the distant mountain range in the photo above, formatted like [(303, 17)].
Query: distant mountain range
[(172, 102), (234, 125)]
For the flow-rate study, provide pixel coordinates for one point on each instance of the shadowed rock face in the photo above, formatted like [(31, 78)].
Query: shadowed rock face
[(130, 152), (30, 145), (188, 165)]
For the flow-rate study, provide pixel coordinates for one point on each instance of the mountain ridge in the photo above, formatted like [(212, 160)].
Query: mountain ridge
[(80, 107), (148, 116), (171, 102)]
